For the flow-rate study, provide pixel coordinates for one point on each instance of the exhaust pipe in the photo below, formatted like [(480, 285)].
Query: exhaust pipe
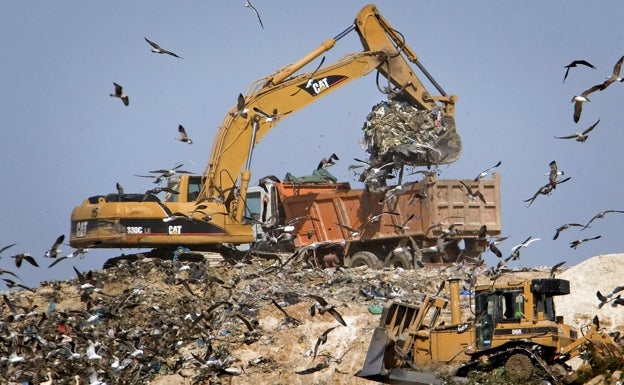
[(456, 318)]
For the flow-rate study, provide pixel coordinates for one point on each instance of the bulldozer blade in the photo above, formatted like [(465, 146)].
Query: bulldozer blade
[(374, 370), (373, 364)]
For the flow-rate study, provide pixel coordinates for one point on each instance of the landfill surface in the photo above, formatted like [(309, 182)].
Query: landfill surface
[(152, 321)]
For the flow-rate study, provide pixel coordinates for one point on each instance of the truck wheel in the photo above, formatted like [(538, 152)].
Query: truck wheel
[(401, 260), (519, 366), (364, 258)]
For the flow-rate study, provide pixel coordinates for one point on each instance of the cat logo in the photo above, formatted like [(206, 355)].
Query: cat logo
[(175, 230), (81, 229), (315, 86)]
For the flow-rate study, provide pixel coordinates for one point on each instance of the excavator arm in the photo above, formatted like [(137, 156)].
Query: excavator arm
[(274, 97)]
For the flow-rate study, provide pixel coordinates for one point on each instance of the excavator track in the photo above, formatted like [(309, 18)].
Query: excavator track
[(166, 254)]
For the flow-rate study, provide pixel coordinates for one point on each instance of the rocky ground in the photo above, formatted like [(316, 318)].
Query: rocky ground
[(164, 323)]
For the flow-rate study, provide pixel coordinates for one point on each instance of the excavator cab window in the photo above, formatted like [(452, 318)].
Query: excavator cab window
[(253, 206), (194, 187), (174, 184)]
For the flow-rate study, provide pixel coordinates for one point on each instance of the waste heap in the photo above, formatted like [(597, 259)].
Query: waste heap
[(396, 131)]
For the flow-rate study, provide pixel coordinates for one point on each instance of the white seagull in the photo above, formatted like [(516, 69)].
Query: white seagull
[(183, 135), (580, 136), (615, 76), (578, 100), (120, 94)]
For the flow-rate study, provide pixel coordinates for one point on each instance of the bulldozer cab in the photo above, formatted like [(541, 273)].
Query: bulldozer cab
[(502, 306), (499, 306)]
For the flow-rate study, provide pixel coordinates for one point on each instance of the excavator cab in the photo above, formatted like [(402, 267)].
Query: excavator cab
[(187, 186)]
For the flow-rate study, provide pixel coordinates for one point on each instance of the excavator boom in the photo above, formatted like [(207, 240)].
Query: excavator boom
[(274, 97)]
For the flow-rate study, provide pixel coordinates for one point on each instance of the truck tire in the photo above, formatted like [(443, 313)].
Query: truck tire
[(364, 258), (519, 366), (399, 260)]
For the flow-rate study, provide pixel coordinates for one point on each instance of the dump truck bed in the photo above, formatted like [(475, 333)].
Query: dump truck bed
[(332, 211)]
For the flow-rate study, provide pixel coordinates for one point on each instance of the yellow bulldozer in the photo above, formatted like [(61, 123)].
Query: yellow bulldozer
[(513, 330)]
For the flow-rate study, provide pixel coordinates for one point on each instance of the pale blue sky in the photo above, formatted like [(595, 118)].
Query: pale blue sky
[(65, 139)]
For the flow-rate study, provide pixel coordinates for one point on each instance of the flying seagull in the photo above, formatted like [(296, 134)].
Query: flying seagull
[(249, 5), (580, 136), (24, 257), (473, 195), (525, 243), (241, 110), (578, 100), (10, 283), (554, 173), (600, 215), (403, 226), (54, 250), (493, 246), (267, 117), (373, 173), (545, 190), (577, 243), (70, 255), (484, 173), (323, 307), (554, 269), (169, 172), (183, 136), (574, 64), (615, 77), (156, 49), (321, 340), (7, 247), (606, 298), (352, 232), (565, 227), (120, 94), (327, 162)]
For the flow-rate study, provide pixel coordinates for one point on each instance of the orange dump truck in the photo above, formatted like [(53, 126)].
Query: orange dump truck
[(433, 220)]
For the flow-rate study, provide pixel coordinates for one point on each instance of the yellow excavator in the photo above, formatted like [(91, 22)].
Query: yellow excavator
[(204, 212)]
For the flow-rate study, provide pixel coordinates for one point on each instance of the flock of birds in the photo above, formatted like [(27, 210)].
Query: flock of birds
[(555, 178), (376, 175), (54, 253), (156, 48), (115, 336)]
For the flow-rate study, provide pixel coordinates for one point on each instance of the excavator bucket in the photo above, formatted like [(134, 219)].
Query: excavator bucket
[(396, 131)]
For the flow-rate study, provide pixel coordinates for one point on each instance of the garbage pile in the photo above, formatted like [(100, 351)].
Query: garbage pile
[(159, 322), (171, 322), (396, 131)]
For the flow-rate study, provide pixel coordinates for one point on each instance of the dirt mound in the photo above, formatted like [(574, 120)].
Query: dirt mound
[(602, 273), (168, 322)]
